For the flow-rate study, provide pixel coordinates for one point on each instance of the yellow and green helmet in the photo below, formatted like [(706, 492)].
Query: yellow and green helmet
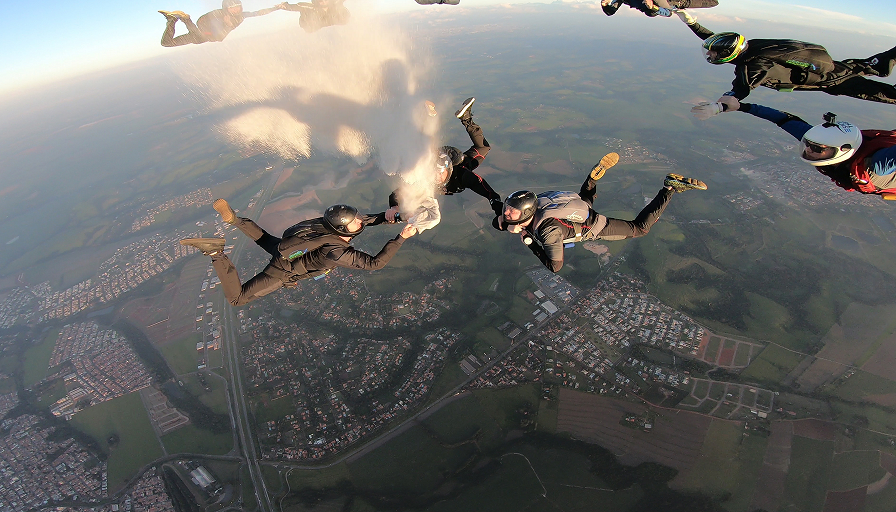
[(723, 47)]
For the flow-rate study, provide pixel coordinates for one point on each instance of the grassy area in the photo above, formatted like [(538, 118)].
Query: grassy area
[(460, 421), (855, 469), (502, 404), (548, 412), (807, 478), (181, 354), (729, 464), (712, 348), (189, 439), (274, 410), (51, 394), (125, 417), (772, 365), (860, 385), (411, 463), (318, 478), (216, 398), (742, 356), (37, 359)]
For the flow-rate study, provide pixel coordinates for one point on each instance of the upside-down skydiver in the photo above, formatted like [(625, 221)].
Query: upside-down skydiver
[(453, 172), (210, 27), (788, 65)]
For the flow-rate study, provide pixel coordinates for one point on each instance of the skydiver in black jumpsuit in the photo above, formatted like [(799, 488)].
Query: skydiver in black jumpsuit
[(299, 254)]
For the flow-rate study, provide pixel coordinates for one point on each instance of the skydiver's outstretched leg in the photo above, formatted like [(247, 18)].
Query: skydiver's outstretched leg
[(193, 35), (864, 89), (480, 146), (589, 188), (239, 294), (692, 4), (265, 240), (433, 2), (618, 229)]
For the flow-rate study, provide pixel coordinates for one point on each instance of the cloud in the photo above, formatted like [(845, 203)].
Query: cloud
[(347, 90)]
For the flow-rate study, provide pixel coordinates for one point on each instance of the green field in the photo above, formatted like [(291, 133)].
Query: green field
[(189, 439), (274, 410), (742, 356), (729, 464), (37, 358), (861, 384), (181, 354), (855, 469), (809, 473), (125, 417), (216, 398), (772, 365), (712, 348)]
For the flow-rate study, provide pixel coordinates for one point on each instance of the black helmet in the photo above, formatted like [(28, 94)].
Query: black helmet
[(524, 201), (338, 217), (443, 164), (726, 46), (227, 4)]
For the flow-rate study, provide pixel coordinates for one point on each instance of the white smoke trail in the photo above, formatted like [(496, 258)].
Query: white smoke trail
[(352, 90)]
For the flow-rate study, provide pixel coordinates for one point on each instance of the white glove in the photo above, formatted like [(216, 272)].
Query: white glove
[(704, 111), (685, 16)]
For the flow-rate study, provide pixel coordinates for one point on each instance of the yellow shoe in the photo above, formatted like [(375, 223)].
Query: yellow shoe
[(609, 160), (679, 183), (431, 109), (227, 213), (207, 246), (181, 15)]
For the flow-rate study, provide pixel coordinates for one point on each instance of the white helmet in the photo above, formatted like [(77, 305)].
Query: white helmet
[(843, 138)]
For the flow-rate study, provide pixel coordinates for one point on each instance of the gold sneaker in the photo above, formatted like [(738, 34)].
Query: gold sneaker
[(609, 160), (227, 213), (679, 183)]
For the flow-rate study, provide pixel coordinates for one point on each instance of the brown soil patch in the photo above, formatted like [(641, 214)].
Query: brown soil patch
[(704, 341), (283, 213), (287, 172), (815, 429), (675, 440), (561, 167), (773, 473), (726, 358), (845, 501)]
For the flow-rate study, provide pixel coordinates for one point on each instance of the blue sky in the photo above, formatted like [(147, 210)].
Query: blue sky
[(47, 41)]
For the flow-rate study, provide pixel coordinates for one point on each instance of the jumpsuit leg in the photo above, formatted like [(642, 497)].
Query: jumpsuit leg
[(238, 294), (588, 191), (480, 145), (268, 242), (643, 222), (193, 35), (863, 89)]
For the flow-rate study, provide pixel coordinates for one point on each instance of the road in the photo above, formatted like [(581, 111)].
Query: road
[(239, 405)]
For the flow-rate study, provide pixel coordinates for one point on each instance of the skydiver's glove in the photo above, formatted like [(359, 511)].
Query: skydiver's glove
[(497, 206), (685, 16), (704, 111)]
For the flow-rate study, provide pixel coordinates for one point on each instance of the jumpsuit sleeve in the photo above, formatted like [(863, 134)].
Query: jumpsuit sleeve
[(476, 183), (747, 78), (374, 219), (260, 12), (550, 251), (787, 121), (701, 31), (349, 257)]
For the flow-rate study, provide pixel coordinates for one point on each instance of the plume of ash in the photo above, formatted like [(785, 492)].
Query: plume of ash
[(353, 90)]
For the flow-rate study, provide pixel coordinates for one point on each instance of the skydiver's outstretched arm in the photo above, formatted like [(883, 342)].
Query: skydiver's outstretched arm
[(788, 122), (702, 32), (262, 12), (300, 7)]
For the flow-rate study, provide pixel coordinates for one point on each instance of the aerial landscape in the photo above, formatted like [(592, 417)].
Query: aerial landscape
[(740, 357)]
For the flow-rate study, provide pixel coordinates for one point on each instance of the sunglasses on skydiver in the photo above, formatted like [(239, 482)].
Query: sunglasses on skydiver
[(815, 148)]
